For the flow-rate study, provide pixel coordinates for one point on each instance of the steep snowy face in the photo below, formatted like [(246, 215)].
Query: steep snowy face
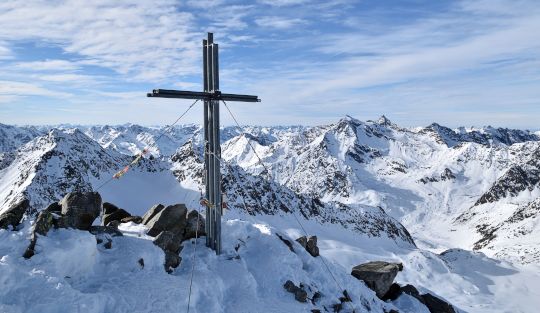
[(47, 167), (12, 137), (256, 195), (437, 181)]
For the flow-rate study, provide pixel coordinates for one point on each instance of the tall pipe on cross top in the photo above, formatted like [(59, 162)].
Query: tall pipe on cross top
[(212, 153)]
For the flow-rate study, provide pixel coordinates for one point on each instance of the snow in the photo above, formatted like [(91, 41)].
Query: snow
[(361, 164)]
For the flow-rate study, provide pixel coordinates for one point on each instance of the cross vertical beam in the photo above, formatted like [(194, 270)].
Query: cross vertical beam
[(213, 147), (211, 97)]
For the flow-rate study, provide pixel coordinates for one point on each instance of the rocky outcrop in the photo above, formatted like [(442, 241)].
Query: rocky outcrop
[(12, 217), (377, 275), (195, 226), (44, 222), (171, 244), (310, 244), (173, 218), (151, 213), (298, 291), (80, 209), (112, 213)]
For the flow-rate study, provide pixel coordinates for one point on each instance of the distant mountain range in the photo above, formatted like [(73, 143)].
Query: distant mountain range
[(474, 188)]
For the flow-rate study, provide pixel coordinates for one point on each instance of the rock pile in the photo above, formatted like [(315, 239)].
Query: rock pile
[(76, 210), (12, 217), (377, 275), (310, 244), (171, 226)]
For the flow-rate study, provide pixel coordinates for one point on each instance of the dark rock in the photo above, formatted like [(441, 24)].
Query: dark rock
[(108, 244), (316, 297), (117, 215), (377, 275), (437, 305), (302, 241), (80, 209), (310, 244), (393, 293), (168, 241), (151, 213), (299, 293), (14, 214), (337, 307), (54, 207), (109, 208), (286, 242), (195, 225), (135, 219), (172, 218), (413, 292), (141, 262), (315, 311), (172, 260), (44, 222), (99, 230)]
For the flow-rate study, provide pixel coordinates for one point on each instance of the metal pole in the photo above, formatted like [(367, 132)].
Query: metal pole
[(211, 140), (205, 144), (217, 151)]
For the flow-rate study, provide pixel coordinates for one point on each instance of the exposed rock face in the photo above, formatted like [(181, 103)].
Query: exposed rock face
[(134, 218), (151, 213), (299, 293), (14, 214), (44, 222), (117, 215), (377, 275), (195, 225), (437, 305), (168, 241), (172, 218), (310, 244), (80, 209)]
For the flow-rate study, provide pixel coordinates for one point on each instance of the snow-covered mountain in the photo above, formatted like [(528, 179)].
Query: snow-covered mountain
[(436, 187)]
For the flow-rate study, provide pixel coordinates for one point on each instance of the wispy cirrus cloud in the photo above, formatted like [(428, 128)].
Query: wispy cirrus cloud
[(279, 22)]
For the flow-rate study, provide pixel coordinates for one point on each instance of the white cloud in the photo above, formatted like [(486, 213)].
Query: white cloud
[(131, 37), (48, 65), (10, 90), (278, 22), (280, 3)]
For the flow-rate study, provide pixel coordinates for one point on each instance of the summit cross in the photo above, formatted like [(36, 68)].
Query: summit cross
[(211, 96)]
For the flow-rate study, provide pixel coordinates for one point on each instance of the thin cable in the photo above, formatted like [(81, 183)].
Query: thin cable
[(279, 199), (167, 129), (193, 260)]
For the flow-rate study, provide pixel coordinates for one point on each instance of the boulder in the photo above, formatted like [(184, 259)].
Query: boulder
[(377, 275), (44, 222), (172, 218), (54, 207), (80, 209), (437, 305), (310, 244), (195, 225), (116, 215), (412, 291), (135, 219), (14, 214), (108, 230), (151, 213), (299, 293), (172, 260), (109, 208), (168, 241)]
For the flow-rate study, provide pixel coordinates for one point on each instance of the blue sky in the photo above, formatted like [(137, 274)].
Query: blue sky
[(469, 63)]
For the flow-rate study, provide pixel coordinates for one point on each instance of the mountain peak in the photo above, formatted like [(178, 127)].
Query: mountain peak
[(383, 120)]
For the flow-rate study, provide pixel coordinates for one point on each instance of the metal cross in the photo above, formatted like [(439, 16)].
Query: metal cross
[(212, 149)]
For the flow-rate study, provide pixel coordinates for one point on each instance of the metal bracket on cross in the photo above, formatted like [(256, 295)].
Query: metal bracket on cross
[(211, 97)]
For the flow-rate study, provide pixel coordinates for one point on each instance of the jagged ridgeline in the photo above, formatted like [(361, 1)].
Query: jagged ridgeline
[(371, 184)]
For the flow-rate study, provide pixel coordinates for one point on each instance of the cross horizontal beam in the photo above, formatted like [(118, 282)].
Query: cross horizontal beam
[(216, 95)]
